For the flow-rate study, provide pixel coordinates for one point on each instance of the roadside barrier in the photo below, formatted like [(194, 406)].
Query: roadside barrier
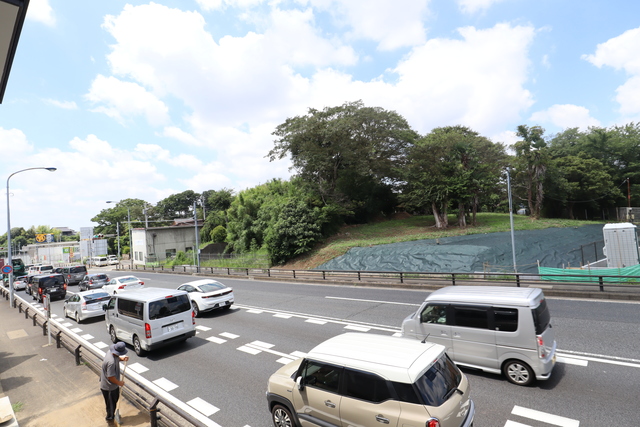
[(164, 410)]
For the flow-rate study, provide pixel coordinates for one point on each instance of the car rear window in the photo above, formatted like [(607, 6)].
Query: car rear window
[(78, 269), (439, 382), (47, 282), (212, 287), (541, 317), (168, 306), (100, 276), (127, 279), (97, 297), (46, 268)]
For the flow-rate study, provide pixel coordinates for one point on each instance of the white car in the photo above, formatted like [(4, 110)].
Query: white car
[(123, 283), (207, 295), (113, 259), (20, 283), (85, 305)]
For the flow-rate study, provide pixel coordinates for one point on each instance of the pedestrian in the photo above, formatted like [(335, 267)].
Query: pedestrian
[(110, 382)]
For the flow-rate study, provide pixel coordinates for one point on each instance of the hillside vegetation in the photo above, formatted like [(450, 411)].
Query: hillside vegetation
[(408, 228)]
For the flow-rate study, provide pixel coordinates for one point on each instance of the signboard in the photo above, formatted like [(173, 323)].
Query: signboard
[(7, 269), (49, 238), (41, 238)]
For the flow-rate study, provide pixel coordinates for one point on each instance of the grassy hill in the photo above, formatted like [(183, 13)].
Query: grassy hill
[(403, 229)]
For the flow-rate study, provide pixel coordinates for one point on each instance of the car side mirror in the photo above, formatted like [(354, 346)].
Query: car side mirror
[(104, 307), (299, 383)]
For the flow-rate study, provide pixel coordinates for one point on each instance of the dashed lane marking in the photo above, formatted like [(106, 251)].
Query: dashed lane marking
[(316, 321), (572, 361), (87, 337), (202, 406), (203, 328), (544, 417), (138, 368), (101, 345), (216, 340), (285, 360), (282, 316), (229, 335), (76, 330), (357, 328), (165, 384), (261, 344), (255, 311), (250, 350)]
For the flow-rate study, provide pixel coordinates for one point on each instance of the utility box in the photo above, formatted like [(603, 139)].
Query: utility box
[(621, 245)]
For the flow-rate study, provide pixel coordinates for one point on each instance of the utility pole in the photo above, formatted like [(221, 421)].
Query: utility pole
[(196, 254)]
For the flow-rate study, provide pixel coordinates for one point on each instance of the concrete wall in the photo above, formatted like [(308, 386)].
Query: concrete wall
[(152, 244)]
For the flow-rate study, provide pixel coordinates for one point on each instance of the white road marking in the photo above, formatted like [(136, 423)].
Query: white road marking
[(203, 328), (375, 301), (610, 362), (138, 368), (216, 340), (298, 354), (510, 423), (255, 311), (603, 356), (261, 344), (165, 384), (202, 406), (316, 321), (229, 335), (67, 324), (397, 334), (87, 337), (54, 315), (76, 330), (285, 360), (571, 361), (250, 350), (282, 316), (100, 344), (357, 328), (544, 417)]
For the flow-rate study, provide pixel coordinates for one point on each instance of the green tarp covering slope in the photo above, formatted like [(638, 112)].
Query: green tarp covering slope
[(592, 275), (552, 247)]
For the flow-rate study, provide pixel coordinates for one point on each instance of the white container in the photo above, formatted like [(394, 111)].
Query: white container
[(621, 245)]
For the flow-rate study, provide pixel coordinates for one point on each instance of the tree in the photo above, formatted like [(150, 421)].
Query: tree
[(347, 154), (109, 218), (178, 205), (531, 163)]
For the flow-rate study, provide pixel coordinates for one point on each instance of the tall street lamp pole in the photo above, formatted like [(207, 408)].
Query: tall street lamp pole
[(9, 254), (130, 241)]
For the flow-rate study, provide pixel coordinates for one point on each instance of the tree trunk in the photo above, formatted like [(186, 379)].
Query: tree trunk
[(441, 218), (462, 219)]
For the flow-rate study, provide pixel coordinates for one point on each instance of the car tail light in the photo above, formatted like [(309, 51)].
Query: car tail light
[(433, 422), (141, 283), (90, 281), (193, 317), (121, 287), (84, 306), (147, 330), (40, 290), (65, 286), (541, 350)]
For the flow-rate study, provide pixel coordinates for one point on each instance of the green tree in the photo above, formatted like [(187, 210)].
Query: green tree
[(348, 155), (109, 218), (178, 205), (531, 162), (219, 234)]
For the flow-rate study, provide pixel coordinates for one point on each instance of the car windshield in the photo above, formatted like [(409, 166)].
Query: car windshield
[(436, 384), (168, 306), (97, 297), (211, 287), (128, 279)]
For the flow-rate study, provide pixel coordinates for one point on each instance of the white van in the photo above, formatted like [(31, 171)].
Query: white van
[(495, 329), (40, 269), (100, 261), (150, 318)]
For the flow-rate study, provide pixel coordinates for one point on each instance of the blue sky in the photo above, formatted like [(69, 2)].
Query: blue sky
[(146, 99)]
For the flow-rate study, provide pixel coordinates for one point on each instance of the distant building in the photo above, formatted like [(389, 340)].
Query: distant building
[(66, 231), (156, 244)]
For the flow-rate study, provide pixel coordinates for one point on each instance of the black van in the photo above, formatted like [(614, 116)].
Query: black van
[(50, 284), (74, 274)]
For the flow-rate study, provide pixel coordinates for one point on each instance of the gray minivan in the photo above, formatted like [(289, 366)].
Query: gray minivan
[(150, 318), (495, 329)]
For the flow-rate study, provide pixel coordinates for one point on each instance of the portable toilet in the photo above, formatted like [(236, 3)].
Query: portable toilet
[(621, 245)]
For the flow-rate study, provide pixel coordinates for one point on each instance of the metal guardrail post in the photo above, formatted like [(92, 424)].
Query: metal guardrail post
[(323, 275), (247, 271), (58, 339), (453, 279), (601, 282), (401, 278), (294, 274), (228, 271), (34, 319), (358, 275), (45, 325), (153, 413), (518, 279), (76, 353)]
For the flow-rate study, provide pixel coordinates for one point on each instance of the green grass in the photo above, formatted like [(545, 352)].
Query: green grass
[(17, 407), (418, 228)]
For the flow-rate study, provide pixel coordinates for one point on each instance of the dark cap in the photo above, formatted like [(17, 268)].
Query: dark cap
[(119, 348)]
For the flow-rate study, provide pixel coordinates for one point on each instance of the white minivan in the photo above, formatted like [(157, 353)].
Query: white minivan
[(495, 329), (150, 318)]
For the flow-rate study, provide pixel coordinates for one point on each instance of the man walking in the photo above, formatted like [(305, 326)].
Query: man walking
[(110, 382)]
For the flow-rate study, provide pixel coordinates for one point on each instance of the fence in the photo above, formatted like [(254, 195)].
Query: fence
[(163, 409), (424, 280)]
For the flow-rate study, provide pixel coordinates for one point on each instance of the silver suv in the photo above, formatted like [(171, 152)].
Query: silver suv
[(368, 380)]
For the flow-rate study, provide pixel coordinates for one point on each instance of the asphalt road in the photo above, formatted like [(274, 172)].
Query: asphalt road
[(223, 371)]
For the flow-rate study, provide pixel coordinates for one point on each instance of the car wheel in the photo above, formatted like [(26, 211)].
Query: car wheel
[(282, 417), (196, 310), (518, 372), (77, 318), (112, 334), (137, 347)]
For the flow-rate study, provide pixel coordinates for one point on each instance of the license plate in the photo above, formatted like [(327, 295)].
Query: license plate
[(172, 328)]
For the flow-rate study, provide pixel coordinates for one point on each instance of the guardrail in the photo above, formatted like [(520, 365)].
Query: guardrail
[(163, 409), (599, 283)]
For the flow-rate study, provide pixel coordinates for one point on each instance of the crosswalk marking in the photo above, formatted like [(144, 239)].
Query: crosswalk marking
[(138, 368), (229, 335), (216, 340), (165, 384), (202, 406), (555, 420)]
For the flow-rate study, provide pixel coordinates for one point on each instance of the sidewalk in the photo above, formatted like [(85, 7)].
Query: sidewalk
[(45, 386)]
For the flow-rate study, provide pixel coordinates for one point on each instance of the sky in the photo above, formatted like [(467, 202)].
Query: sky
[(139, 99)]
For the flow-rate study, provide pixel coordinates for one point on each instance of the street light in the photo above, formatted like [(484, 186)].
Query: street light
[(130, 240), (9, 254)]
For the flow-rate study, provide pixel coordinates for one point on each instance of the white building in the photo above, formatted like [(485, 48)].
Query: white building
[(156, 244)]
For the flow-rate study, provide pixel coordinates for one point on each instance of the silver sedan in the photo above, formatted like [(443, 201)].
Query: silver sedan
[(84, 305)]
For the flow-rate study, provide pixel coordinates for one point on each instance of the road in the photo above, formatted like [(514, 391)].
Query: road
[(223, 371)]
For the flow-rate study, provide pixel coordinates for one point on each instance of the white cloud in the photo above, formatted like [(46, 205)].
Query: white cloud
[(120, 100), (65, 105), (565, 116), (180, 135), (14, 144), (209, 5), (622, 53), (473, 6), (41, 11)]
